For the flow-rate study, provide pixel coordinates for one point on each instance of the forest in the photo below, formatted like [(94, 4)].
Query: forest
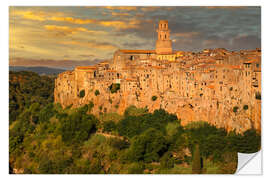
[(45, 138)]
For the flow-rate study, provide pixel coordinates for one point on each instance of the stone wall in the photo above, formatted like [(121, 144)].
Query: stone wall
[(216, 86)]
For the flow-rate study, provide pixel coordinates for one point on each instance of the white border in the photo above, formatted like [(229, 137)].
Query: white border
[(4, 76)]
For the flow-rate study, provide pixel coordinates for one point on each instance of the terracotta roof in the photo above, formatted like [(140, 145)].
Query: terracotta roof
[(104, 62), (137, 51), (157, 67), (211, 86), (129, 79)]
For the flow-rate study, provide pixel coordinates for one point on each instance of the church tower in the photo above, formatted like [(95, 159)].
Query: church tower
[(163, 43)]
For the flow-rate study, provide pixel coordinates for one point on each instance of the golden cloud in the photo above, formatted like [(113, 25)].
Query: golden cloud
[(43, 16), (35, 15), (150, 8), (66, 30), (120, 14), (127, 8), (73, 20)]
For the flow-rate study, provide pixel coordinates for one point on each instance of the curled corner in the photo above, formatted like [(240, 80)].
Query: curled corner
[(249, 163)]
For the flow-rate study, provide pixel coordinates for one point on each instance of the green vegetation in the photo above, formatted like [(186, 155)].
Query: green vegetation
[(82, 93), (258, 95), (45, 138), (97, 92), (197, 161), (154, 98), (235, 109), (114, 87), (245, 107), (26, 88)]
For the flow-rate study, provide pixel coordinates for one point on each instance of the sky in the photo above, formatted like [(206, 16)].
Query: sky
[(65, 37)]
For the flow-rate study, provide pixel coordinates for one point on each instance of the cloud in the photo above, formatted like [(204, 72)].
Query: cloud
[(44, 16), (73, 20), (120, 24), (120, 14), (91, 44), (66, 30), (247, 41), (150, 8), (185, 34), (34, 15), (224, 7), (133, 45), (125, 8)]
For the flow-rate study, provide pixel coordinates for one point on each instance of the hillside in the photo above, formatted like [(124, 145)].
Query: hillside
[(44, 138), (37, 69)]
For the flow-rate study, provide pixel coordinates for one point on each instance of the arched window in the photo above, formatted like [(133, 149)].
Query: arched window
[(165, 36)]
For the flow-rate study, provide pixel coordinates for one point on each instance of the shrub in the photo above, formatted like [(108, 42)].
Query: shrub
[(109, 126), (82, 93), (77, 127), (135, 168), (245, 107), (97, 92), (235, 109), (114, 87), (167, 161), (148, 146), (258, 95), (154, 98), (134, 111)]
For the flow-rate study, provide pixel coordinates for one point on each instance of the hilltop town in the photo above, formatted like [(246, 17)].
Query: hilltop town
[(218, 86)]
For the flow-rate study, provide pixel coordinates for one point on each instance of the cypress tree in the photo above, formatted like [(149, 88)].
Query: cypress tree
[(197, 161)]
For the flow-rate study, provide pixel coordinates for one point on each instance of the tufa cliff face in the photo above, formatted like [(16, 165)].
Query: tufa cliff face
[(217, 86)]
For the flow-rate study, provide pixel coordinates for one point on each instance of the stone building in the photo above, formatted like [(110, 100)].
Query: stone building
[(218, 86)]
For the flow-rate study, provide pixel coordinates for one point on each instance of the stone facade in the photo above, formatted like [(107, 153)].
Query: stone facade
[(217, 86)]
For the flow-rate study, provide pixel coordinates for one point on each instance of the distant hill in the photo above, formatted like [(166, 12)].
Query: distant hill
[(38, 69)]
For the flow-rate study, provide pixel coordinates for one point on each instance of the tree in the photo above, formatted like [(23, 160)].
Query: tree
[(149, 146), (258, 95), (97, 92), (109, 126), (77, 127), (167, 161), (114, 87), (154, 98), (197, 161), (235, 109), (136, 168), (82, 93), (245, 107)]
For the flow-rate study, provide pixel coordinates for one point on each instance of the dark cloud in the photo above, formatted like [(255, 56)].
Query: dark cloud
[(249, 42), (133, 45)]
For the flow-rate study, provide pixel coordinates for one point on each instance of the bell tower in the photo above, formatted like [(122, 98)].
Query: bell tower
[(163, 43)]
